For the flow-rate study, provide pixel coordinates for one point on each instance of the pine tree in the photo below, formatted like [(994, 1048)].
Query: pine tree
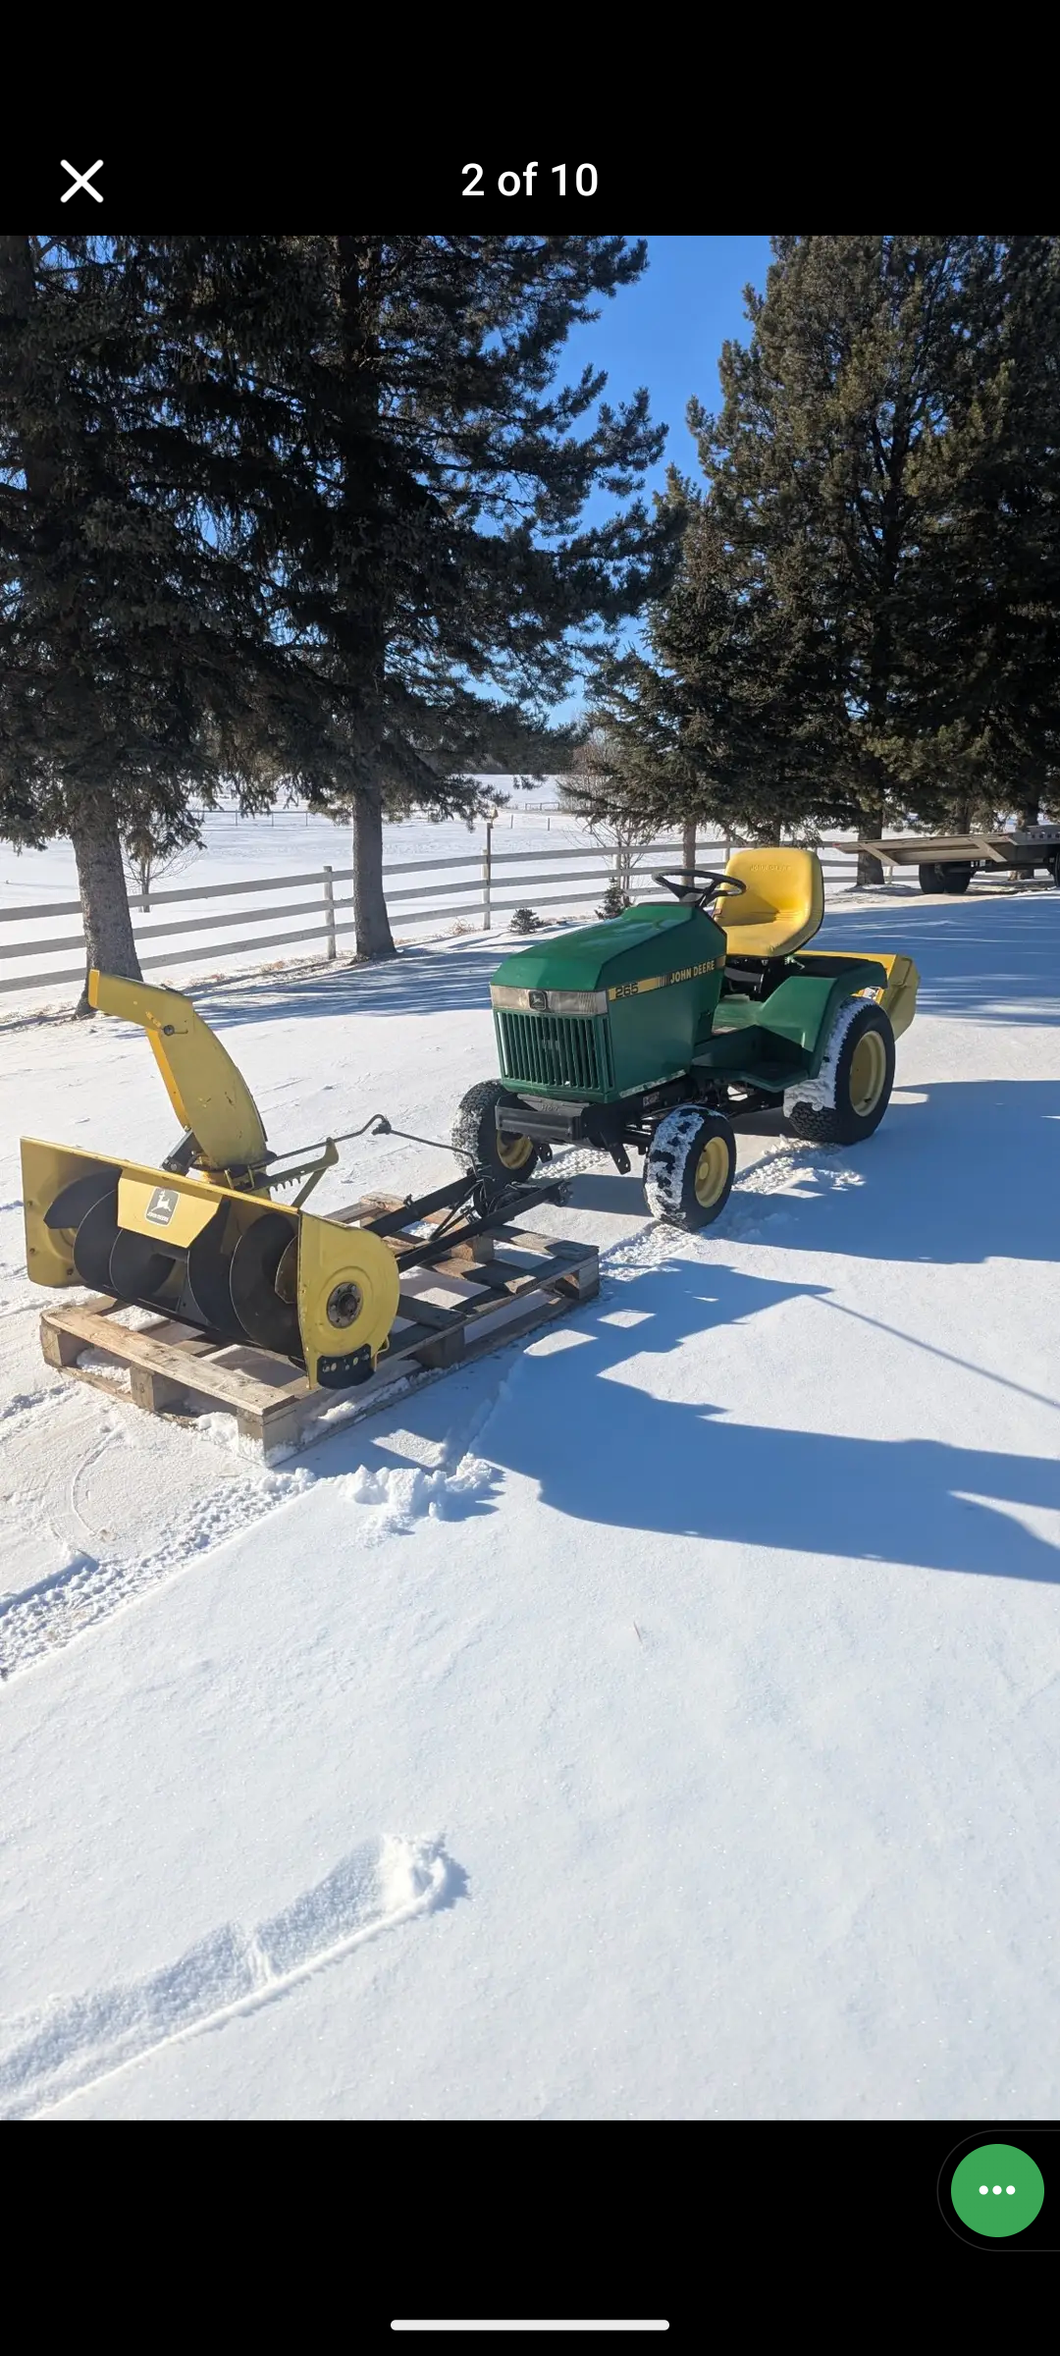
[(989, 659), (136, 665), (433, 581), (866, 622), (718, 724), (821, 478)]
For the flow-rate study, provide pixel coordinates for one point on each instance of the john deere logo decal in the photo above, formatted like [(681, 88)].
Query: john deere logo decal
[(162, 1205), (662, 981), (538, 1000)]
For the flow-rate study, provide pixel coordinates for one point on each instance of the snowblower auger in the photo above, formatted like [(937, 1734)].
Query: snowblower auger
[(200, 1238)]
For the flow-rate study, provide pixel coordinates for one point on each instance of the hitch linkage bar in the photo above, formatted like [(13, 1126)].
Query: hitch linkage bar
[(486, 1211)]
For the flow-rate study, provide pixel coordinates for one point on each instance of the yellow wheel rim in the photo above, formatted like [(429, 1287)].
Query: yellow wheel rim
[(712, 1170), (514, 1151), (868, 1072)]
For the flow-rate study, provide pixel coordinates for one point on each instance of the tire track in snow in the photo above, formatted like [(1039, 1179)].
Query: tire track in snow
[(80, 2041)]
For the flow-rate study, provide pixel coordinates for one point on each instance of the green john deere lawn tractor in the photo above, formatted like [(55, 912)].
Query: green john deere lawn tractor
[(655, 1030)]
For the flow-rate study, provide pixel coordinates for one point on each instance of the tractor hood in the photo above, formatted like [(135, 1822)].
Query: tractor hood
[(603, 956)]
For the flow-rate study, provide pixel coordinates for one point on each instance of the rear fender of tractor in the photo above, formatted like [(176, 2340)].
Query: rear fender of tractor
[(891, 978), (805, 1006), (800, 1012), (898, 996)]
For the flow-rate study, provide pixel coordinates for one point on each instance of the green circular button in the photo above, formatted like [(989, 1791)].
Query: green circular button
[(997, 2190)]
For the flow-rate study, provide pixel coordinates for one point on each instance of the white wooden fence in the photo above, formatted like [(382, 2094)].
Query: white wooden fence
[(490, 890)]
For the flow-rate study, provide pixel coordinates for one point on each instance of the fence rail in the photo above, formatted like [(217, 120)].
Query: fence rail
[(335, 912)]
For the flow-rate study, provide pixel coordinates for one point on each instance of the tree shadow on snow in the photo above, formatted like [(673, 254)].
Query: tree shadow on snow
[(988, 960), (991, 961), (420, 980)]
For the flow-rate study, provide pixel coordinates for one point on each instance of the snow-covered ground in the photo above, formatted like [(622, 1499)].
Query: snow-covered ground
[(660, 1719)]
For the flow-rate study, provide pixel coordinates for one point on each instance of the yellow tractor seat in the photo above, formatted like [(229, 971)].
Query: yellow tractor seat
[(781, 907)]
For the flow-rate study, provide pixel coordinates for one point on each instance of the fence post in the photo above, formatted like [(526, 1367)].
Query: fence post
[(329, 911), (487, 877)]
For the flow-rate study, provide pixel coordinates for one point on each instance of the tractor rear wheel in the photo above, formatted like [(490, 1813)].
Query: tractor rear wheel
[(852, 1091), (500, 1160), (689, 1167)]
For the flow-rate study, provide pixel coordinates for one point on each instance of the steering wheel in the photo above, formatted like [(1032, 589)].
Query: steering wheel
[(680, 882)]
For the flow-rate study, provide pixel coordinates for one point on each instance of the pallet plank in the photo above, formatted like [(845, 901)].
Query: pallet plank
[(236, 1389), (167, 1365)]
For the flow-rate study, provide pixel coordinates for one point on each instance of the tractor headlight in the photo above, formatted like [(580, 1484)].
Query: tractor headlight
[(510, 1001)]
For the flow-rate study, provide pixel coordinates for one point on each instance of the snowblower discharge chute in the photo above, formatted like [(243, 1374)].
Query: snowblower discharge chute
[(200, 1238)]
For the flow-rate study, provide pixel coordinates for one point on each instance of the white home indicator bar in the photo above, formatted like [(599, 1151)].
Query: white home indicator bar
[(578, 2326)]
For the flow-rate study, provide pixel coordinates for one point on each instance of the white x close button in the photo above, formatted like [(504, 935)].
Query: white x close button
[(81, 180)]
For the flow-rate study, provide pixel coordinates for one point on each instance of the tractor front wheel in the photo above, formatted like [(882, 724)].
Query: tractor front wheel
[(499, 1159), (689, 1167)]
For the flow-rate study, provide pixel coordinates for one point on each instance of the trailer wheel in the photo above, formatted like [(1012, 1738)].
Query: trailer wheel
[(689, 1167), (951, 875), (475, 1134)]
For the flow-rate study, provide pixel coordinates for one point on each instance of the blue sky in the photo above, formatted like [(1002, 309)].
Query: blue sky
[(666, 332)]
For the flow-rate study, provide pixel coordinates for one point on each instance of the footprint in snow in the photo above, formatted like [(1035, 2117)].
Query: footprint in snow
[(76, 2041), (399, 1495)]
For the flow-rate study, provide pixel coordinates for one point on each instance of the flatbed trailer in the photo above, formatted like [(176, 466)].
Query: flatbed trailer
[(947, 862)]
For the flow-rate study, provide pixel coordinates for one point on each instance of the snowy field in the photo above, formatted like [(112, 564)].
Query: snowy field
[(660, 1720), (432, 872), (428, 867)]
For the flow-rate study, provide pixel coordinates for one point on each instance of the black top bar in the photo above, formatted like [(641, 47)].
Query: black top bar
[(144, 174)]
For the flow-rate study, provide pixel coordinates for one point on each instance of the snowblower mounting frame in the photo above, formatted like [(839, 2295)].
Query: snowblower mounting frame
[(201, 1240)]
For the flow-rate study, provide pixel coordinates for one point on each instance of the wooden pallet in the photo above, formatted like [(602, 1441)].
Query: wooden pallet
[(490, 1296)]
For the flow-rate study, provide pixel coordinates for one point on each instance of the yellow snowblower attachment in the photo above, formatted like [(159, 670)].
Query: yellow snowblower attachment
[(200, 1239)]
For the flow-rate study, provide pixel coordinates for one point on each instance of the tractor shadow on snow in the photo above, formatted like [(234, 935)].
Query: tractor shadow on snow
[(573, 1416), (965, 1173)]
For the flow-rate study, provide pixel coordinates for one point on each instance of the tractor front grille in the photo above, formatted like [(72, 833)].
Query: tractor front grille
[(556, 1051)]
